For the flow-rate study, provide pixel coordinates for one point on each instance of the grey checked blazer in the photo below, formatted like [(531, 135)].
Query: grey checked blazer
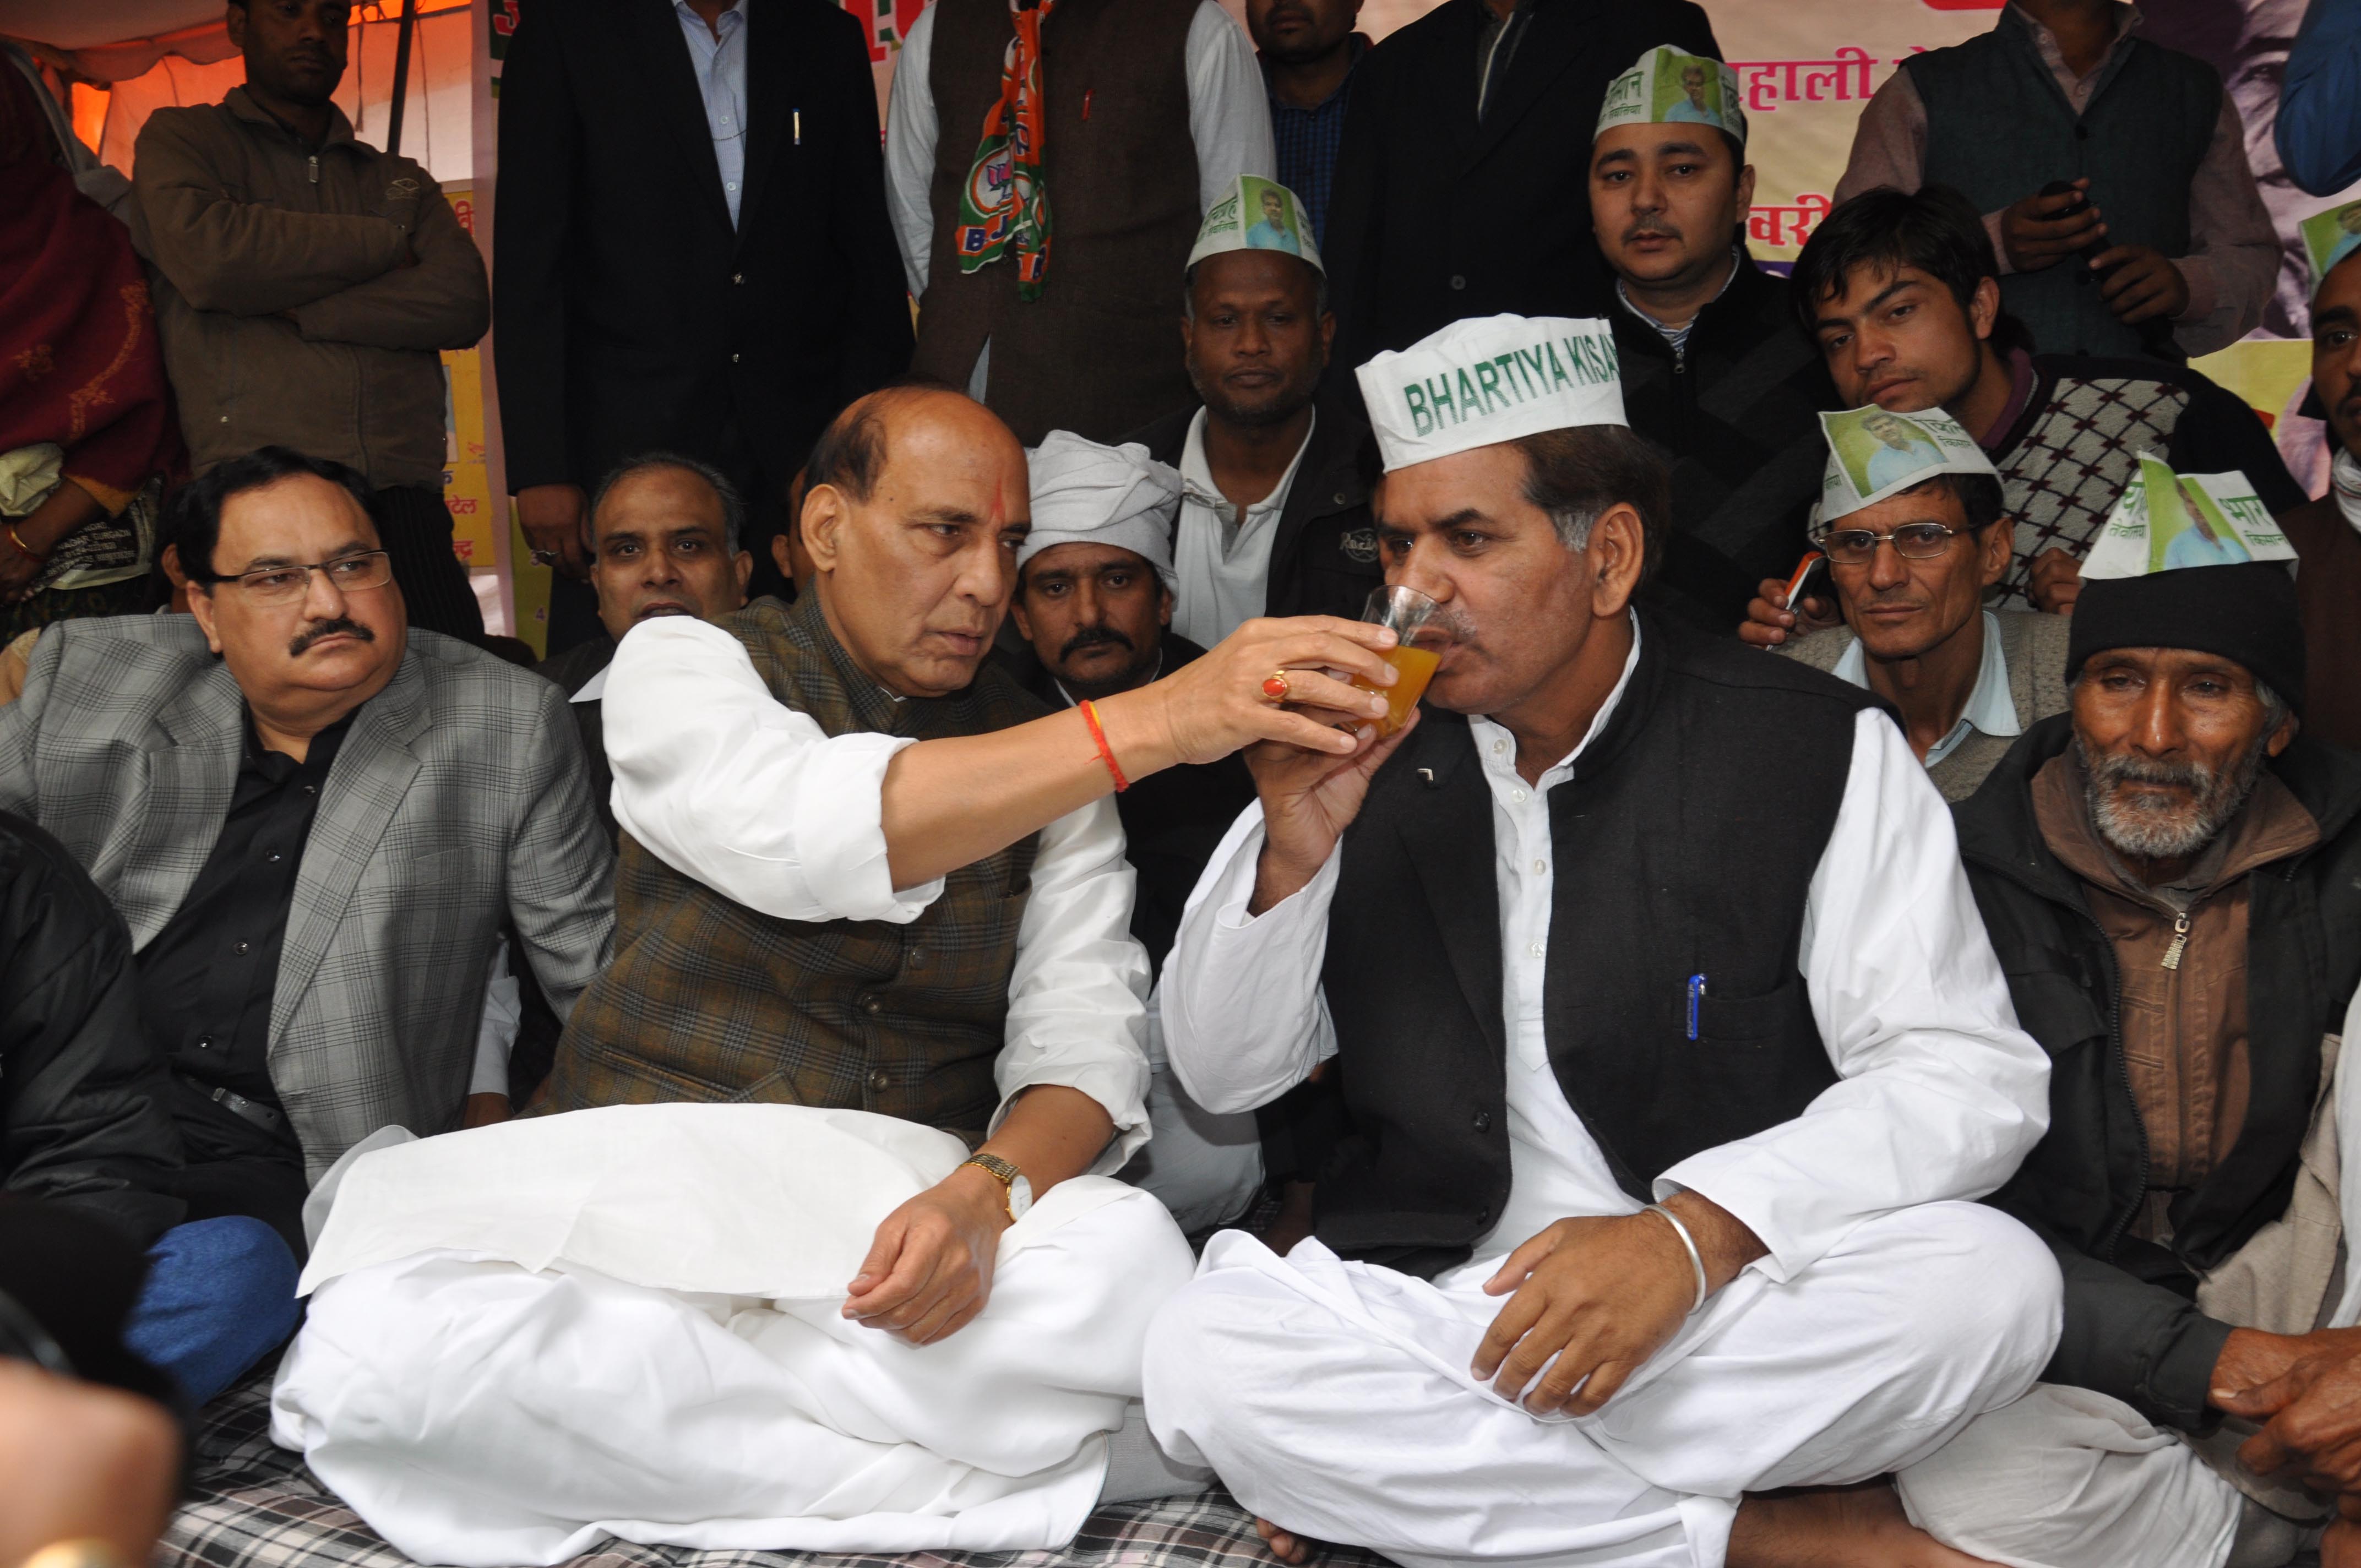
[(458, 800)]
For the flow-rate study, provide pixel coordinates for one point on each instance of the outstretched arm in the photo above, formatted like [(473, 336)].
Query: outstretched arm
[(727, 785)]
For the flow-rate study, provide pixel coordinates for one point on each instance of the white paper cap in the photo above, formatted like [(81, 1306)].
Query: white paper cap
[(1666, 86), (1255, 214), (2329, 237), (1495, 378), (1101, 495), (2165, 522), (1874, 452)]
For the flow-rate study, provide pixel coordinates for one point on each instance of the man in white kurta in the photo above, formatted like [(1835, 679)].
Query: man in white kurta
[(1553, 1374), (878, 1292)]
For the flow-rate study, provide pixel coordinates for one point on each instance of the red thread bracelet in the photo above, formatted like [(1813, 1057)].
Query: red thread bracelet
[(1106, 752)]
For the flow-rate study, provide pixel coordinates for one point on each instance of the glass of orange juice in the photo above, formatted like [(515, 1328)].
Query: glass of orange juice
[(1406, 612)]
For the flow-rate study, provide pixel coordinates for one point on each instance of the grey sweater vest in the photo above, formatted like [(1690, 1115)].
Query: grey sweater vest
[(1998, 129)]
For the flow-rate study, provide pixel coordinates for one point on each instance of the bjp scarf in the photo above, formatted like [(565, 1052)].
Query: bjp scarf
[(1004, 203), (80, 366)]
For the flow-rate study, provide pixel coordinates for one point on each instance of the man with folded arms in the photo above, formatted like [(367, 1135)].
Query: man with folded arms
[(1908, 564), (2171, 874), (873, 895), (1671, 1073)]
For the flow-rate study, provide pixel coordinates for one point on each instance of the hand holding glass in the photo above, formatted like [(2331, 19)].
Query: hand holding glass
[(1405, 612)]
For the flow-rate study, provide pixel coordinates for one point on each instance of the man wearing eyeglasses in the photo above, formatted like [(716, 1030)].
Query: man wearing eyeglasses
[(316, 821), (1908, 573)]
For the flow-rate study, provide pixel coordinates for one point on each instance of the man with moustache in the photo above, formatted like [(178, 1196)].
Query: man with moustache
[(316, 823), (1670, 1081), (1094, 599), (2170, 873), (1309, 51), (665, 531), (1714, 371), (871, 1045), (1902, 294), (1274, 512), (304, 282), (1908, 566)]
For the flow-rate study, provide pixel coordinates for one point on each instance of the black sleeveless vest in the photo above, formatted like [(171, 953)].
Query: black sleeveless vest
[(1684, 844)]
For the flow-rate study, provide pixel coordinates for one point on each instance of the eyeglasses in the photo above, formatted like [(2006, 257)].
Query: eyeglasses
[(1911, 542), (284, 585)]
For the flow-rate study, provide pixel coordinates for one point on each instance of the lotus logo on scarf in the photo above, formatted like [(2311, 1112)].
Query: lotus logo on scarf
[(1003, 203)]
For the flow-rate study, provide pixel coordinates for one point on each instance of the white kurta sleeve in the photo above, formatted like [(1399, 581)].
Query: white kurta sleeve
[(722, 782), (911, 128), (1078, 1000), (1229, 108), (1941, 1095), (1244, 1018)]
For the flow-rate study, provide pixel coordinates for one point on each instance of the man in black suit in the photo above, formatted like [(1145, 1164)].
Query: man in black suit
[(1094, 599), (1463, 188), (692, 252)]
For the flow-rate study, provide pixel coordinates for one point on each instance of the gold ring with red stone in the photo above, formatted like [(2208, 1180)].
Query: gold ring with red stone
[(1275, 686)]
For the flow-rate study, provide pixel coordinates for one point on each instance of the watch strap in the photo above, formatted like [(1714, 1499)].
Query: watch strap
[(1000, 1170)]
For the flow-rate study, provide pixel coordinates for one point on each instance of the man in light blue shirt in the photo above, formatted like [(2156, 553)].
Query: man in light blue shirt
[(2200, 545), (717, 53), (1901, 453)]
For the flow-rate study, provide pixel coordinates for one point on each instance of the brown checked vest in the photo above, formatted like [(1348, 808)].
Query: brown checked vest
[(707, 999)]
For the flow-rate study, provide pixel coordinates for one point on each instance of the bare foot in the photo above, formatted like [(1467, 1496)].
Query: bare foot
[(1292, 1550), (1838, 1527), (1293, 1220)]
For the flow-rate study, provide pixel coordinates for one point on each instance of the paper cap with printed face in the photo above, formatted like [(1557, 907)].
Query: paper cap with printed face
[(1086, 493), (1666, 87), (2164, 521), (2329, 237), (1255, 214), (1495, 378), (1873, 454)]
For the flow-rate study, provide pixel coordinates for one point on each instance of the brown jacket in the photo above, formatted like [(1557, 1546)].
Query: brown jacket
[(2181, 965), (285, 286)]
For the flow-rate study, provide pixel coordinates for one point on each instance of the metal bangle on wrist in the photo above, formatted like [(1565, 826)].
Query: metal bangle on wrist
[(1688, 1245)]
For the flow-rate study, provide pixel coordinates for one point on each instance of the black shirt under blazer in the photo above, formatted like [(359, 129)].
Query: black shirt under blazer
[(1684, 844)]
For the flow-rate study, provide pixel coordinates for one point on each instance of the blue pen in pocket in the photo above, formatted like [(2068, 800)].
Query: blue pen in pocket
[(1697, 995)]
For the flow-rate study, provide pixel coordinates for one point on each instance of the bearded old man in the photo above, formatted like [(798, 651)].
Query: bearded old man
[(1671, 1043), (873, 895), (2171, 873)]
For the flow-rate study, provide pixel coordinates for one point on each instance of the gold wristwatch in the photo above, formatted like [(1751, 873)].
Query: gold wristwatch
[(1017, 1191)]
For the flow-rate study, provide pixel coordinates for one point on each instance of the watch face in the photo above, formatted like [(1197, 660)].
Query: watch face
[(1020, 1197)]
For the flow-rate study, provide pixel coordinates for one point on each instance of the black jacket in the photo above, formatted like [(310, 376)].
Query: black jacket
[(1738, 414), (1324, 560), (84, 1098), (1171, 820), (1436, 215), (2132, 1328), (629, 315)]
